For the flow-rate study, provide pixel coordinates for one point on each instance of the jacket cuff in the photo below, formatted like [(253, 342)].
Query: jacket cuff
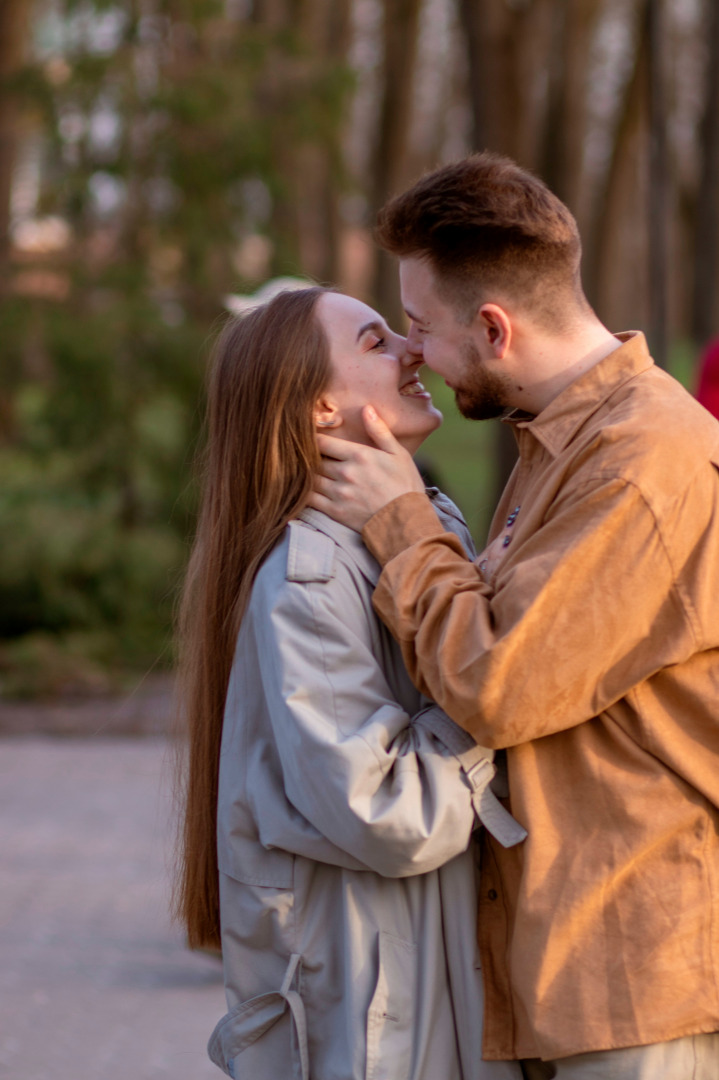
[(400, 524)]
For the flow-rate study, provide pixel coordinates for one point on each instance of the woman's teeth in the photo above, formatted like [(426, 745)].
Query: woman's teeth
[(412, 388)]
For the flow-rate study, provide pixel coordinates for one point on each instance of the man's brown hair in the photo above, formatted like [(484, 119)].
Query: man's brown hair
[(490, 231)]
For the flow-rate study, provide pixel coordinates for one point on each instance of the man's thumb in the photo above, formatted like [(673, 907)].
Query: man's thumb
[(378, 431)]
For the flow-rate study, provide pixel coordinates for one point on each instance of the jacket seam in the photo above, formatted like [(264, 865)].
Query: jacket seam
[(330, 684)]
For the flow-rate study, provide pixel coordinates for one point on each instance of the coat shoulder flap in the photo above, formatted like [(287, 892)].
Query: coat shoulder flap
[(310, 554)]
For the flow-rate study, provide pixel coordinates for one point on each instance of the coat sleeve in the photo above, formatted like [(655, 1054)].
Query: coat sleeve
[(582, 611), (377, 786)]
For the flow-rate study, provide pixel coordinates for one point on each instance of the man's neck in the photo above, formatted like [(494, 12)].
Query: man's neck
[(554, 363)]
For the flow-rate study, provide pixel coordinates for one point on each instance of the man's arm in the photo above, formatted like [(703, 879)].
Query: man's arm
[(582, 611)]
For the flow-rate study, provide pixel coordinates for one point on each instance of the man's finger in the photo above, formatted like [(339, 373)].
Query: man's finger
[(319, 502), (330, 468), (339, 449), (324, 485), (378, 431)]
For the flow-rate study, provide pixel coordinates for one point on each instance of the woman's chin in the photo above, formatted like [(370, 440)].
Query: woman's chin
[(412, 440)]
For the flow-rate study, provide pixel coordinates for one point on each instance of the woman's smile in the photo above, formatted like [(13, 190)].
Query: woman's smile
[(414, 388)]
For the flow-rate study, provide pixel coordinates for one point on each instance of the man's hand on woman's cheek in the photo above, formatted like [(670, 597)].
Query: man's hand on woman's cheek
[(356, 481)]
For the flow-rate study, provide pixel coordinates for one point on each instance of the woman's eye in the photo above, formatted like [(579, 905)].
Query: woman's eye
[(378, 344)]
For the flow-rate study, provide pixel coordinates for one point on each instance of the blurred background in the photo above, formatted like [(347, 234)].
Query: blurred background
[(157, 155)]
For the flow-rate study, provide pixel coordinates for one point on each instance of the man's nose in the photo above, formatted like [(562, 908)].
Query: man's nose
[(410, 359), (413, 347)]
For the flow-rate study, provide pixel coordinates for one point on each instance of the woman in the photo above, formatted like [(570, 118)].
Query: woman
[(343, 805)]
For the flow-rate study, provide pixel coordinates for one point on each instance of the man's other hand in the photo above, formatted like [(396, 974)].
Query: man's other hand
[(356, 481)]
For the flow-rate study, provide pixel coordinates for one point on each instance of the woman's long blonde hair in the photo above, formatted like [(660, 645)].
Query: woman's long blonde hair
[(269, 368)]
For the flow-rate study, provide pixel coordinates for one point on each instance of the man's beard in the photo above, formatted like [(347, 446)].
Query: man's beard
[(483, 394)]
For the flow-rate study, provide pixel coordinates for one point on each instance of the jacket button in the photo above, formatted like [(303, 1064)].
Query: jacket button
[(492, 894)]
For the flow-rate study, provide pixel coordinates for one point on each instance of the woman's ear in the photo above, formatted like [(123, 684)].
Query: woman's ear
[(327, 414)]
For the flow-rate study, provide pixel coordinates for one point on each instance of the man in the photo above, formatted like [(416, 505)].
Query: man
[(585, 641)]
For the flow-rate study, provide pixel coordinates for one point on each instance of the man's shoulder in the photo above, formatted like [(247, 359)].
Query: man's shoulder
[(652, 433)]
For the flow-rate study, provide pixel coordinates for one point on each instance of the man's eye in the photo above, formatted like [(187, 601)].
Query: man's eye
[(378, 344)]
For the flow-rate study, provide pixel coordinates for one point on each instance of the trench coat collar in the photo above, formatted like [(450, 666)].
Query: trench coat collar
[(351, 541)]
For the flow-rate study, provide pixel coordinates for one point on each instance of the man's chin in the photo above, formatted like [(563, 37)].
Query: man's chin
[(473, 408)]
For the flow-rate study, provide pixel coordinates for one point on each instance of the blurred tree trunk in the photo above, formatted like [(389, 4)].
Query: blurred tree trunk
[(561, 160), (13, 28), (507, 51), (706, 265), (609, 201), (324, 27), (306, 202), (471, 15), (401, 26), (658, 200)]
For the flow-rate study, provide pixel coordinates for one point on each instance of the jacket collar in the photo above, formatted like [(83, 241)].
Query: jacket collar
[(346, 538), (351, 541), (557, 424)]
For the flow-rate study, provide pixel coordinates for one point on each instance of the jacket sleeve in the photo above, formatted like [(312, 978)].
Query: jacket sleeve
[(582, 611), (379, 787)]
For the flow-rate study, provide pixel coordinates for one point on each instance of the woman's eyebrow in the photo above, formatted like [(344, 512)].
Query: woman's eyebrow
[(374, 325)]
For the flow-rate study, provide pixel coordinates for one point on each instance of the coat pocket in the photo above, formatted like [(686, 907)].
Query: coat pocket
[(235, 1045), (390, 1018)]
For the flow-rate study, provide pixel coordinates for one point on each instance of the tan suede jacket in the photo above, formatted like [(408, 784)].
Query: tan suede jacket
[(593, 657)]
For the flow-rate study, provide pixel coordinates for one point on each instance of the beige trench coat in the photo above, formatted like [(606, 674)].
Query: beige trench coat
[(345, 818)]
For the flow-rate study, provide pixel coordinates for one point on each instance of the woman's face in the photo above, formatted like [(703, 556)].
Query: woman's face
[(371, 366)]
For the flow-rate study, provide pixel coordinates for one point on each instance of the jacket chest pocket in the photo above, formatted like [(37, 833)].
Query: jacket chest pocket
[(390, 1018)]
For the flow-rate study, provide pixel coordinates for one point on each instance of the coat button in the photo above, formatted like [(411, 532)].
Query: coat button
[(492, 894)]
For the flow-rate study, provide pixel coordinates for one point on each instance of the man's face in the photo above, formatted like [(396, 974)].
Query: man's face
[(457, 352)]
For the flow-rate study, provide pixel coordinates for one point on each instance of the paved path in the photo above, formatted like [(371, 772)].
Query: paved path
[(146, 709), (94, 982)]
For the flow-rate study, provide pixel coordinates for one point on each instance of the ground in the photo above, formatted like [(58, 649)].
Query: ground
[(95, 982)]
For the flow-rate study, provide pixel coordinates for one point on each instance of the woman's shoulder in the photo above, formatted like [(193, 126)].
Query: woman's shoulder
[(311, 555), (308, 583), (308, 555), (303, 554)]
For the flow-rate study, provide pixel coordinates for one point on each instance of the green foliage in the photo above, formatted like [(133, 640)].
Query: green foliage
[(148, 145), (77, 580), (682, 363)]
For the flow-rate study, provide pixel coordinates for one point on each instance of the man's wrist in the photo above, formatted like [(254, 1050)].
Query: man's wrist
[(399, 524)]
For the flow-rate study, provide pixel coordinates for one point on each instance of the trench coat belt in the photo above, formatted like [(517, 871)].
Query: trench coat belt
[(252, 1018), (496, 820), (479, 771)]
